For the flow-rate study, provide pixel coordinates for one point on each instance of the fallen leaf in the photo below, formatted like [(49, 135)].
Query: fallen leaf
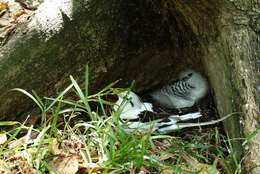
[(4, 169), (4, 22), (132, 170), (66, 164), (36, 119), (13, 157), (143, 170), (18, 142), (165, 169), (6, 31), (26, 168), (3, 8), (97, 169), (17, 15), (3, 139), (220, 161), (166, 156), (202, 167), (167, 172), (94, 167)]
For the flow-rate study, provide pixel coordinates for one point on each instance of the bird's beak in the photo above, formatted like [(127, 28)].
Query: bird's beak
[(120, 95)]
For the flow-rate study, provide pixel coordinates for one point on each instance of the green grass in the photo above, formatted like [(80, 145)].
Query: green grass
[(101, 145)]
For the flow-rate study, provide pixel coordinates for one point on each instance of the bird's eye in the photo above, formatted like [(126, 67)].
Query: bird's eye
[(190, 74), (187, 77)]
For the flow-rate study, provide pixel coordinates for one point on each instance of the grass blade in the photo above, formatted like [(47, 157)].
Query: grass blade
[(37, 97), (61, 94), (70, 102), (30, 96), (86, 82), (8, 123), (79, 91), (54, 121), (81, 95), (12, 137), (251, 136)]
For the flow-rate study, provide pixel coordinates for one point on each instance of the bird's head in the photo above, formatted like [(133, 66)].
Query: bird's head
[(195, 80), (129, 99), (192, 77), (187, 75)]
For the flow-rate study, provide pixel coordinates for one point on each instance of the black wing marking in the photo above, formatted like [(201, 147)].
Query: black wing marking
[(159, 110), (147, 116), (132, 104)]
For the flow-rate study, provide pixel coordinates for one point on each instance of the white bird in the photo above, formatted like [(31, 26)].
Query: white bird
[(188, 90), (144, 116)]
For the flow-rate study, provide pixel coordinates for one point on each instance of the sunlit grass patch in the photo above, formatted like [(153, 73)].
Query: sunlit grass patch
[(65, 144)]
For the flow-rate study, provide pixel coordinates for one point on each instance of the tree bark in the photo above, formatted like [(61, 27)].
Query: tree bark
[(108, 36)]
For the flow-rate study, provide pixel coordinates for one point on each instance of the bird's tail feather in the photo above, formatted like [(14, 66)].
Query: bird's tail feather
[(178, 126), (186, 116)]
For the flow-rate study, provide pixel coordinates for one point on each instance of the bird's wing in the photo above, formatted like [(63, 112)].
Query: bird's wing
[(130, 114), (147, 120), (149, 113), (144, 116)]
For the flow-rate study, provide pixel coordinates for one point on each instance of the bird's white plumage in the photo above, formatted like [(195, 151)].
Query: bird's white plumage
[(134, 108), (189, 89), (131, 105), (133, 111)]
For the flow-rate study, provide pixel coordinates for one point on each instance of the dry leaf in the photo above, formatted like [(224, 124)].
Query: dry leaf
[(203, 168), (4, 169), (97, 169), (166, 156), (26, 168), (167, 172), (165, 169), (19, 164), (13, 156), (94, 167), (16, 143), (22, 140), (36, 119), (3, 138), (3, 8), (4, 22), (6, 31), (221, 164), (143, 170), (66, 164), (18, 14), (132, 170)]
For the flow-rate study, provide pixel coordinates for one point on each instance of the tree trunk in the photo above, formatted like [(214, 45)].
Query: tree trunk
[(147, 41)]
